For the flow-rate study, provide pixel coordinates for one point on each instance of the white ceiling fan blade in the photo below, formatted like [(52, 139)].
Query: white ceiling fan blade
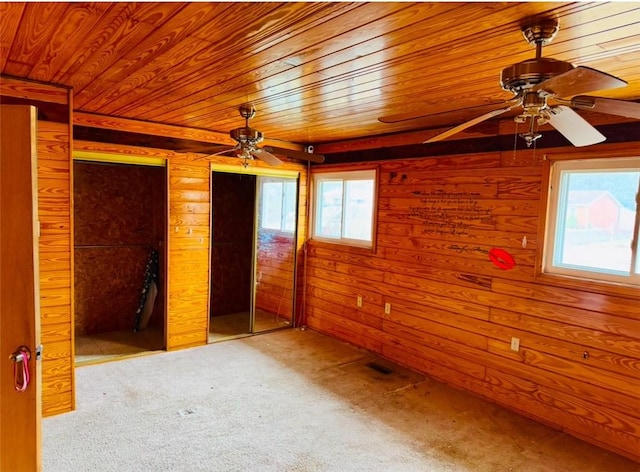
[(218, 153), (573, 127), (607, 105), (266, 157), (435, 110), (467, 124), (234, 148)]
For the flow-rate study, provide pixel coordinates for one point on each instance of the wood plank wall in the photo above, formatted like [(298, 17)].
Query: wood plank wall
[(189, 238), (453, 312), (56, 259), (56, 262)]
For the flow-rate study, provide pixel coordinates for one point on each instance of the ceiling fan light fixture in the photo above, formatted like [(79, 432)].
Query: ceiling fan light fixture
[(520, 119), (530, 137), (533, 103), (248, 138), (246, 157)]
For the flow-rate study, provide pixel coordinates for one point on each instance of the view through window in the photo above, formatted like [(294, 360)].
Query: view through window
[(593, 219), (344, 207)]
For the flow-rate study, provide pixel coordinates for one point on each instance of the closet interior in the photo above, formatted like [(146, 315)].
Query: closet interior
[(119, 259)]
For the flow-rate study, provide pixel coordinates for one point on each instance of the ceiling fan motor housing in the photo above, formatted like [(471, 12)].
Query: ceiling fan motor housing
[(247, 135), (526, 74)]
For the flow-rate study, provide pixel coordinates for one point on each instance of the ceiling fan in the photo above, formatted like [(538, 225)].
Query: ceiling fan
[(247, 149), (539, 86)]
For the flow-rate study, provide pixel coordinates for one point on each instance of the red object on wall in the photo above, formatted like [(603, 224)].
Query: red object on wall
[(501, 259)]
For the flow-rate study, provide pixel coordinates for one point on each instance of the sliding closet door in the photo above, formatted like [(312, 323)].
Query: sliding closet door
[(232, 234), (274, 274)]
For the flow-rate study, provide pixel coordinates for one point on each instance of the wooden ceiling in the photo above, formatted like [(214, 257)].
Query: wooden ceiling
[(316, 72)]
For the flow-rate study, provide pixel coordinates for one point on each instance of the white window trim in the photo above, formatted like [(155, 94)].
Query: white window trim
[(631, 163), (345, 175)]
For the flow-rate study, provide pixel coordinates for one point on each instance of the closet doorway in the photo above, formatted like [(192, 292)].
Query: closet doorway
[(254, 229), (119, 253)]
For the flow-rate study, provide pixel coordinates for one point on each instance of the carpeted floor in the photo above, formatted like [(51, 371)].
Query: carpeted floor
[(293, 400)]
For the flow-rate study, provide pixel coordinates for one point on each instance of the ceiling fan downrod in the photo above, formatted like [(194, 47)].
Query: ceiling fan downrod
[(527, 74), (247, 136), (540, 33)]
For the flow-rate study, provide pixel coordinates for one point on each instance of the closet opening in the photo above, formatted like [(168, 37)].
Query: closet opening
[(120, 220), (254, 228)]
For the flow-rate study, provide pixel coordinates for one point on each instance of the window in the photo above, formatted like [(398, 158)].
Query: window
[(344, 205), (593, 220), (278, 204)]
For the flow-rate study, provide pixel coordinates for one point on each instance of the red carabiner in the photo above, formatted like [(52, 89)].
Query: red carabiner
[(21, 376)]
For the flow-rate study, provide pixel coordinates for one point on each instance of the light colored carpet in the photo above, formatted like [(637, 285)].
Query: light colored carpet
[(293, 400)]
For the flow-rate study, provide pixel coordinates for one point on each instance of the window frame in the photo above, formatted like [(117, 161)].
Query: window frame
[(551, 207), (364, 173)]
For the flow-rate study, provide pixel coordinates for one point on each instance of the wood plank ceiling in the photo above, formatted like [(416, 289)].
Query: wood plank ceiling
[(316, 72)]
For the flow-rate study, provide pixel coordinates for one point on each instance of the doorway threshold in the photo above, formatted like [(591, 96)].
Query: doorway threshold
[(81, 362), (216, 338), (116, 345)]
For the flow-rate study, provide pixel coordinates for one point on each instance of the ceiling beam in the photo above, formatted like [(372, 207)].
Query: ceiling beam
[(627, 132), (138, 127)]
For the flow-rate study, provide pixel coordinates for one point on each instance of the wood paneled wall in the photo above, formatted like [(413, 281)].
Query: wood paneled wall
[(189, 238), (453, 312), (56, 262), (55, 247)]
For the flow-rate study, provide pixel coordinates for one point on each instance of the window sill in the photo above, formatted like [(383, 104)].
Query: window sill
[(595, 286), (361, 249)]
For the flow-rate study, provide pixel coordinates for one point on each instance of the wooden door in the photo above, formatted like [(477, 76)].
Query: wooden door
[(20, 412)]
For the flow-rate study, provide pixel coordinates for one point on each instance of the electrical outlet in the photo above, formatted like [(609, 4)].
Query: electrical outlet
[(515, 344), (387, 308), (359, 301)]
